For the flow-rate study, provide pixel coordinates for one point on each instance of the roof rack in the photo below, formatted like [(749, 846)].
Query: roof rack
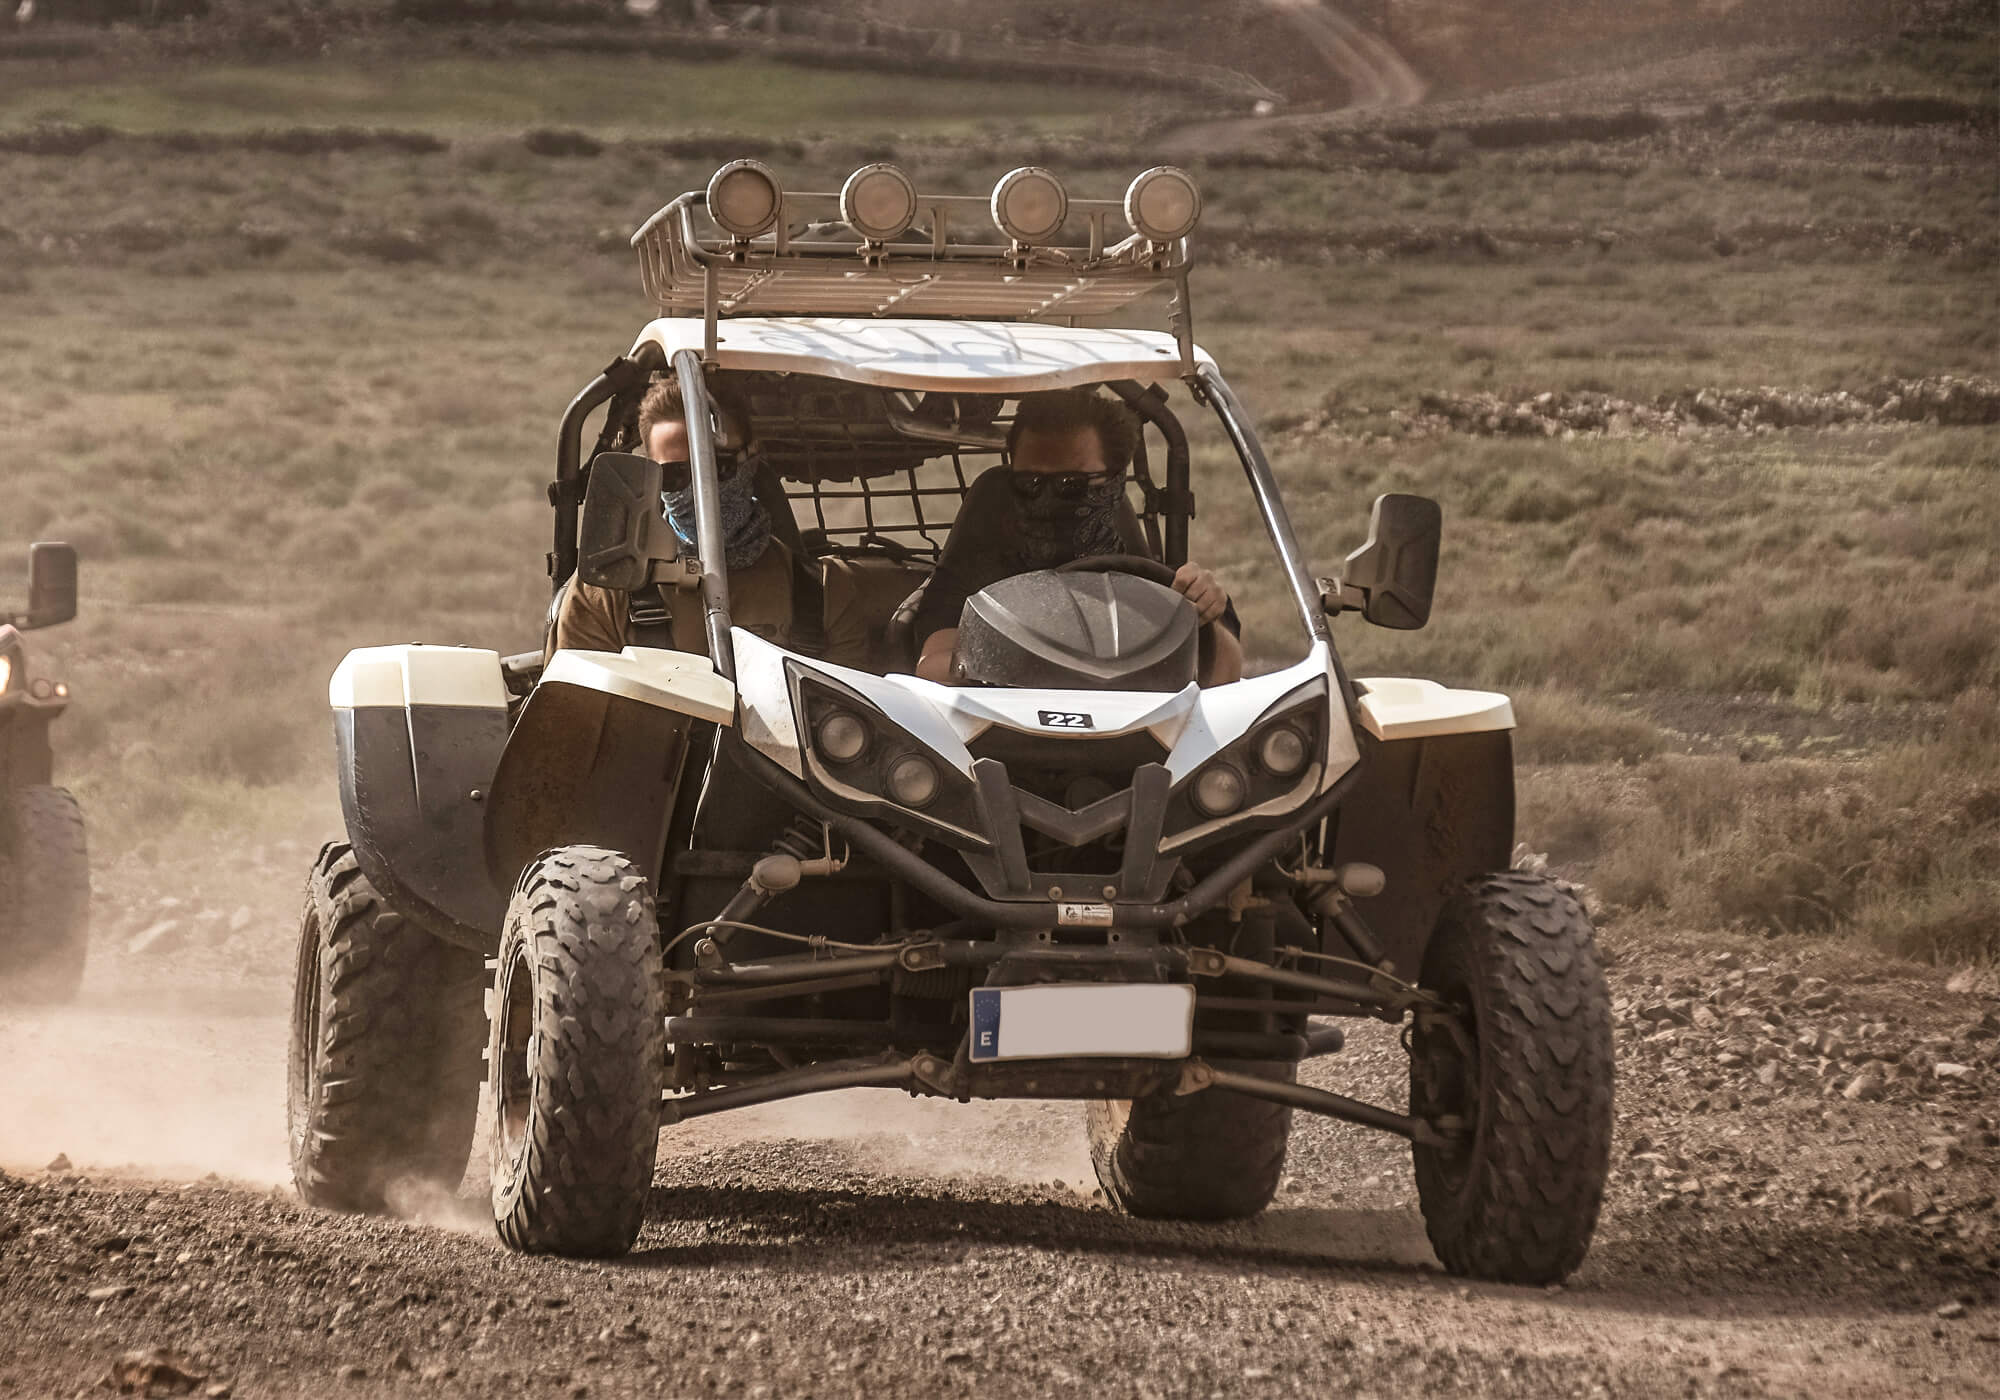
[(747, 247)]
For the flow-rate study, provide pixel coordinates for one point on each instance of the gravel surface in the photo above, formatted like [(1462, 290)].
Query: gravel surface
[(1772, 1229)]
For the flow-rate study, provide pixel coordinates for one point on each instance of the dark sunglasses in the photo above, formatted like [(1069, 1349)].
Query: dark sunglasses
[(1066, 486)]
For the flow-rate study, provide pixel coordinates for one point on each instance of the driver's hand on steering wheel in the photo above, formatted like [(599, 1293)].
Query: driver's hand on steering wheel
[(1201, 588)]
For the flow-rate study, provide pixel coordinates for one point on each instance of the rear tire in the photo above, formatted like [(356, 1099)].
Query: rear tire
[(1209, 1155), (1518, 1199), (577, 1058), (383, 1076), (44, 894)]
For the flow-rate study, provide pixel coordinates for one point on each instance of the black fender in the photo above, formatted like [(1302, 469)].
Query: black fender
[(598, 754), (418, 732), (1432, 813)]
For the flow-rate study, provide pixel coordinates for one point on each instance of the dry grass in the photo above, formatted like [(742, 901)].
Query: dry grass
[(288, 401)]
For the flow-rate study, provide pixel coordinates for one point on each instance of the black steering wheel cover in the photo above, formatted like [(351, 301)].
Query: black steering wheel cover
[(1137, 564)]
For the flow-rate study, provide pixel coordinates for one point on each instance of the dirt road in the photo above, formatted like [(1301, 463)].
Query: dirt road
[(1762, 1238)]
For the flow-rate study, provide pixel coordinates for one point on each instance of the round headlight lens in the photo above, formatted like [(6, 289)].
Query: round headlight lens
[(744, 198), (913, 780), (1029, 205), (878, 202), (6, 672), (1163, 204), (1283, 751), (842, 737), (1219, 789)]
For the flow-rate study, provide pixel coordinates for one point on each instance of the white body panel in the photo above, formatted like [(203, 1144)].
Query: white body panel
[(1398, 707), (1192, 724), (672, 680), (400, 676), (989, 357)]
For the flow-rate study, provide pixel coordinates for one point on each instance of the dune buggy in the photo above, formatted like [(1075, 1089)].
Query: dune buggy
[(687, 883), (44, 868)]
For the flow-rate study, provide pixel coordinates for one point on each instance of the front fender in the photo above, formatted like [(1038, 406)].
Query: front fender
[(419, 731)]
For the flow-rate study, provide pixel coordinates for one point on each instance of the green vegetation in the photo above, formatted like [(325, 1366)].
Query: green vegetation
[(632, 96)]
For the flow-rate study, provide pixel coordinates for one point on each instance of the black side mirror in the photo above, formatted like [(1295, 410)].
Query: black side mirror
[(1393, 576), (51, 584), (623, 532)]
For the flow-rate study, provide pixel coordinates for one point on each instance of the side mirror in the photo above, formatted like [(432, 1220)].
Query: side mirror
[(1393, 576), (51, 584), (623, 532)]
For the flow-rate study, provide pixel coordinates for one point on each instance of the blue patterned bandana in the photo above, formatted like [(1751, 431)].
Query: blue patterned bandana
[(746, 525)]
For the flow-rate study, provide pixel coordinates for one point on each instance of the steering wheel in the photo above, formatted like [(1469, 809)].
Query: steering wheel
[(1139, 565)]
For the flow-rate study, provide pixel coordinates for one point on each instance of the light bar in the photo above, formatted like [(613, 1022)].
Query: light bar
[(878, 202), (744, 198), (1163, 205), (1029, 205)]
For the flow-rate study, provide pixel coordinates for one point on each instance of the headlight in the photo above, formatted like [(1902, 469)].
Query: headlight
[(913, 780), (1282, 752), (1163, 205), (842, 737), (878, 202), (1219, 789), (6, 673), (744, 198), (1029, 205)]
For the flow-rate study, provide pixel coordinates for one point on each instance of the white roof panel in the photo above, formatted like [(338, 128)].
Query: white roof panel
[(992, 357)]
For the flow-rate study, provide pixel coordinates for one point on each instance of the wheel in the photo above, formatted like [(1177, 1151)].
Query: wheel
[(1527, 1069), (576, 1062), (1210, 1155), (382, 1082), (44, 894)]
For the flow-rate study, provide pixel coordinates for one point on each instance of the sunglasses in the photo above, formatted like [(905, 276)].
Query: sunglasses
[(1066, 486)]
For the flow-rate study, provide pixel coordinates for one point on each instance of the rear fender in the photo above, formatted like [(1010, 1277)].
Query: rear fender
[(419, 731), (1433, 805), (598, 753)]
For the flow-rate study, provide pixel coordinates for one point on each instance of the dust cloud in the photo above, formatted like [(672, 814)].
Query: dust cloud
[(136, 1089)]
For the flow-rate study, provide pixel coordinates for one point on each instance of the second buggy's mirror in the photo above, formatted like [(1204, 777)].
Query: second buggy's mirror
[(51, 584), (1393, 576), (623, 532)]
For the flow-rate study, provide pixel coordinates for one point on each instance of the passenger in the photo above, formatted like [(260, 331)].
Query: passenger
[(1069, 450), (589, 618)]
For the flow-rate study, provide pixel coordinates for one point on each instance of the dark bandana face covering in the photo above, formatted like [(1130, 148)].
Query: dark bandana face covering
[(746, 525), (1060, 516)]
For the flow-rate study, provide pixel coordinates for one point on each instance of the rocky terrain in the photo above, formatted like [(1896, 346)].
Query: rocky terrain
[(1803, 1202)]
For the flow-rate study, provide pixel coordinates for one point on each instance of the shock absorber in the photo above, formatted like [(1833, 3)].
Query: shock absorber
[(803, 848)]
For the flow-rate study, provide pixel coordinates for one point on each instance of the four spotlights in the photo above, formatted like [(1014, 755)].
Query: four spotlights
[(1029, 205)]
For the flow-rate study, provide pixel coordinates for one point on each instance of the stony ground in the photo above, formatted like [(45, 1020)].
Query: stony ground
[(1803, 1202)]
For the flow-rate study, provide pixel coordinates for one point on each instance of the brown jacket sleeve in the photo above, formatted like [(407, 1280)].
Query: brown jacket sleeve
[(588, 619)]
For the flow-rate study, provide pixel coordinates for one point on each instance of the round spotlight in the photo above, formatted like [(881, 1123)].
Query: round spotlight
[(1283, 751), (878, 202), (1219, 790), (841, 737), (1163, 204), (41, 688), (913, 780), (1029, 205), (744, 198)]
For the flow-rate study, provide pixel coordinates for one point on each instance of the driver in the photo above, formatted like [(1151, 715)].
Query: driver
[(1068, 449)]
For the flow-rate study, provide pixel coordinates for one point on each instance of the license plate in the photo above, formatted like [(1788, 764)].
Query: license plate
[(1072, 1020)]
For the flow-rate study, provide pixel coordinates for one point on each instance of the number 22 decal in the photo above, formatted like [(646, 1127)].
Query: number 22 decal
[(1064, 719)]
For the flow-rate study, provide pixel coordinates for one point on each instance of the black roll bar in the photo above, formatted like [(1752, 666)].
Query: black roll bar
[(707, 512)]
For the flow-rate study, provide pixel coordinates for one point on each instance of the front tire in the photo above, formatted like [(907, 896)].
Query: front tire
[(44, 894), (383, 1076), (1209, 1155), (577, 1058), (1529, 1075)]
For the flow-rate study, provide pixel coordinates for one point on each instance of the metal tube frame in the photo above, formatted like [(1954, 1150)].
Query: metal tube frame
[(707, 512)]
